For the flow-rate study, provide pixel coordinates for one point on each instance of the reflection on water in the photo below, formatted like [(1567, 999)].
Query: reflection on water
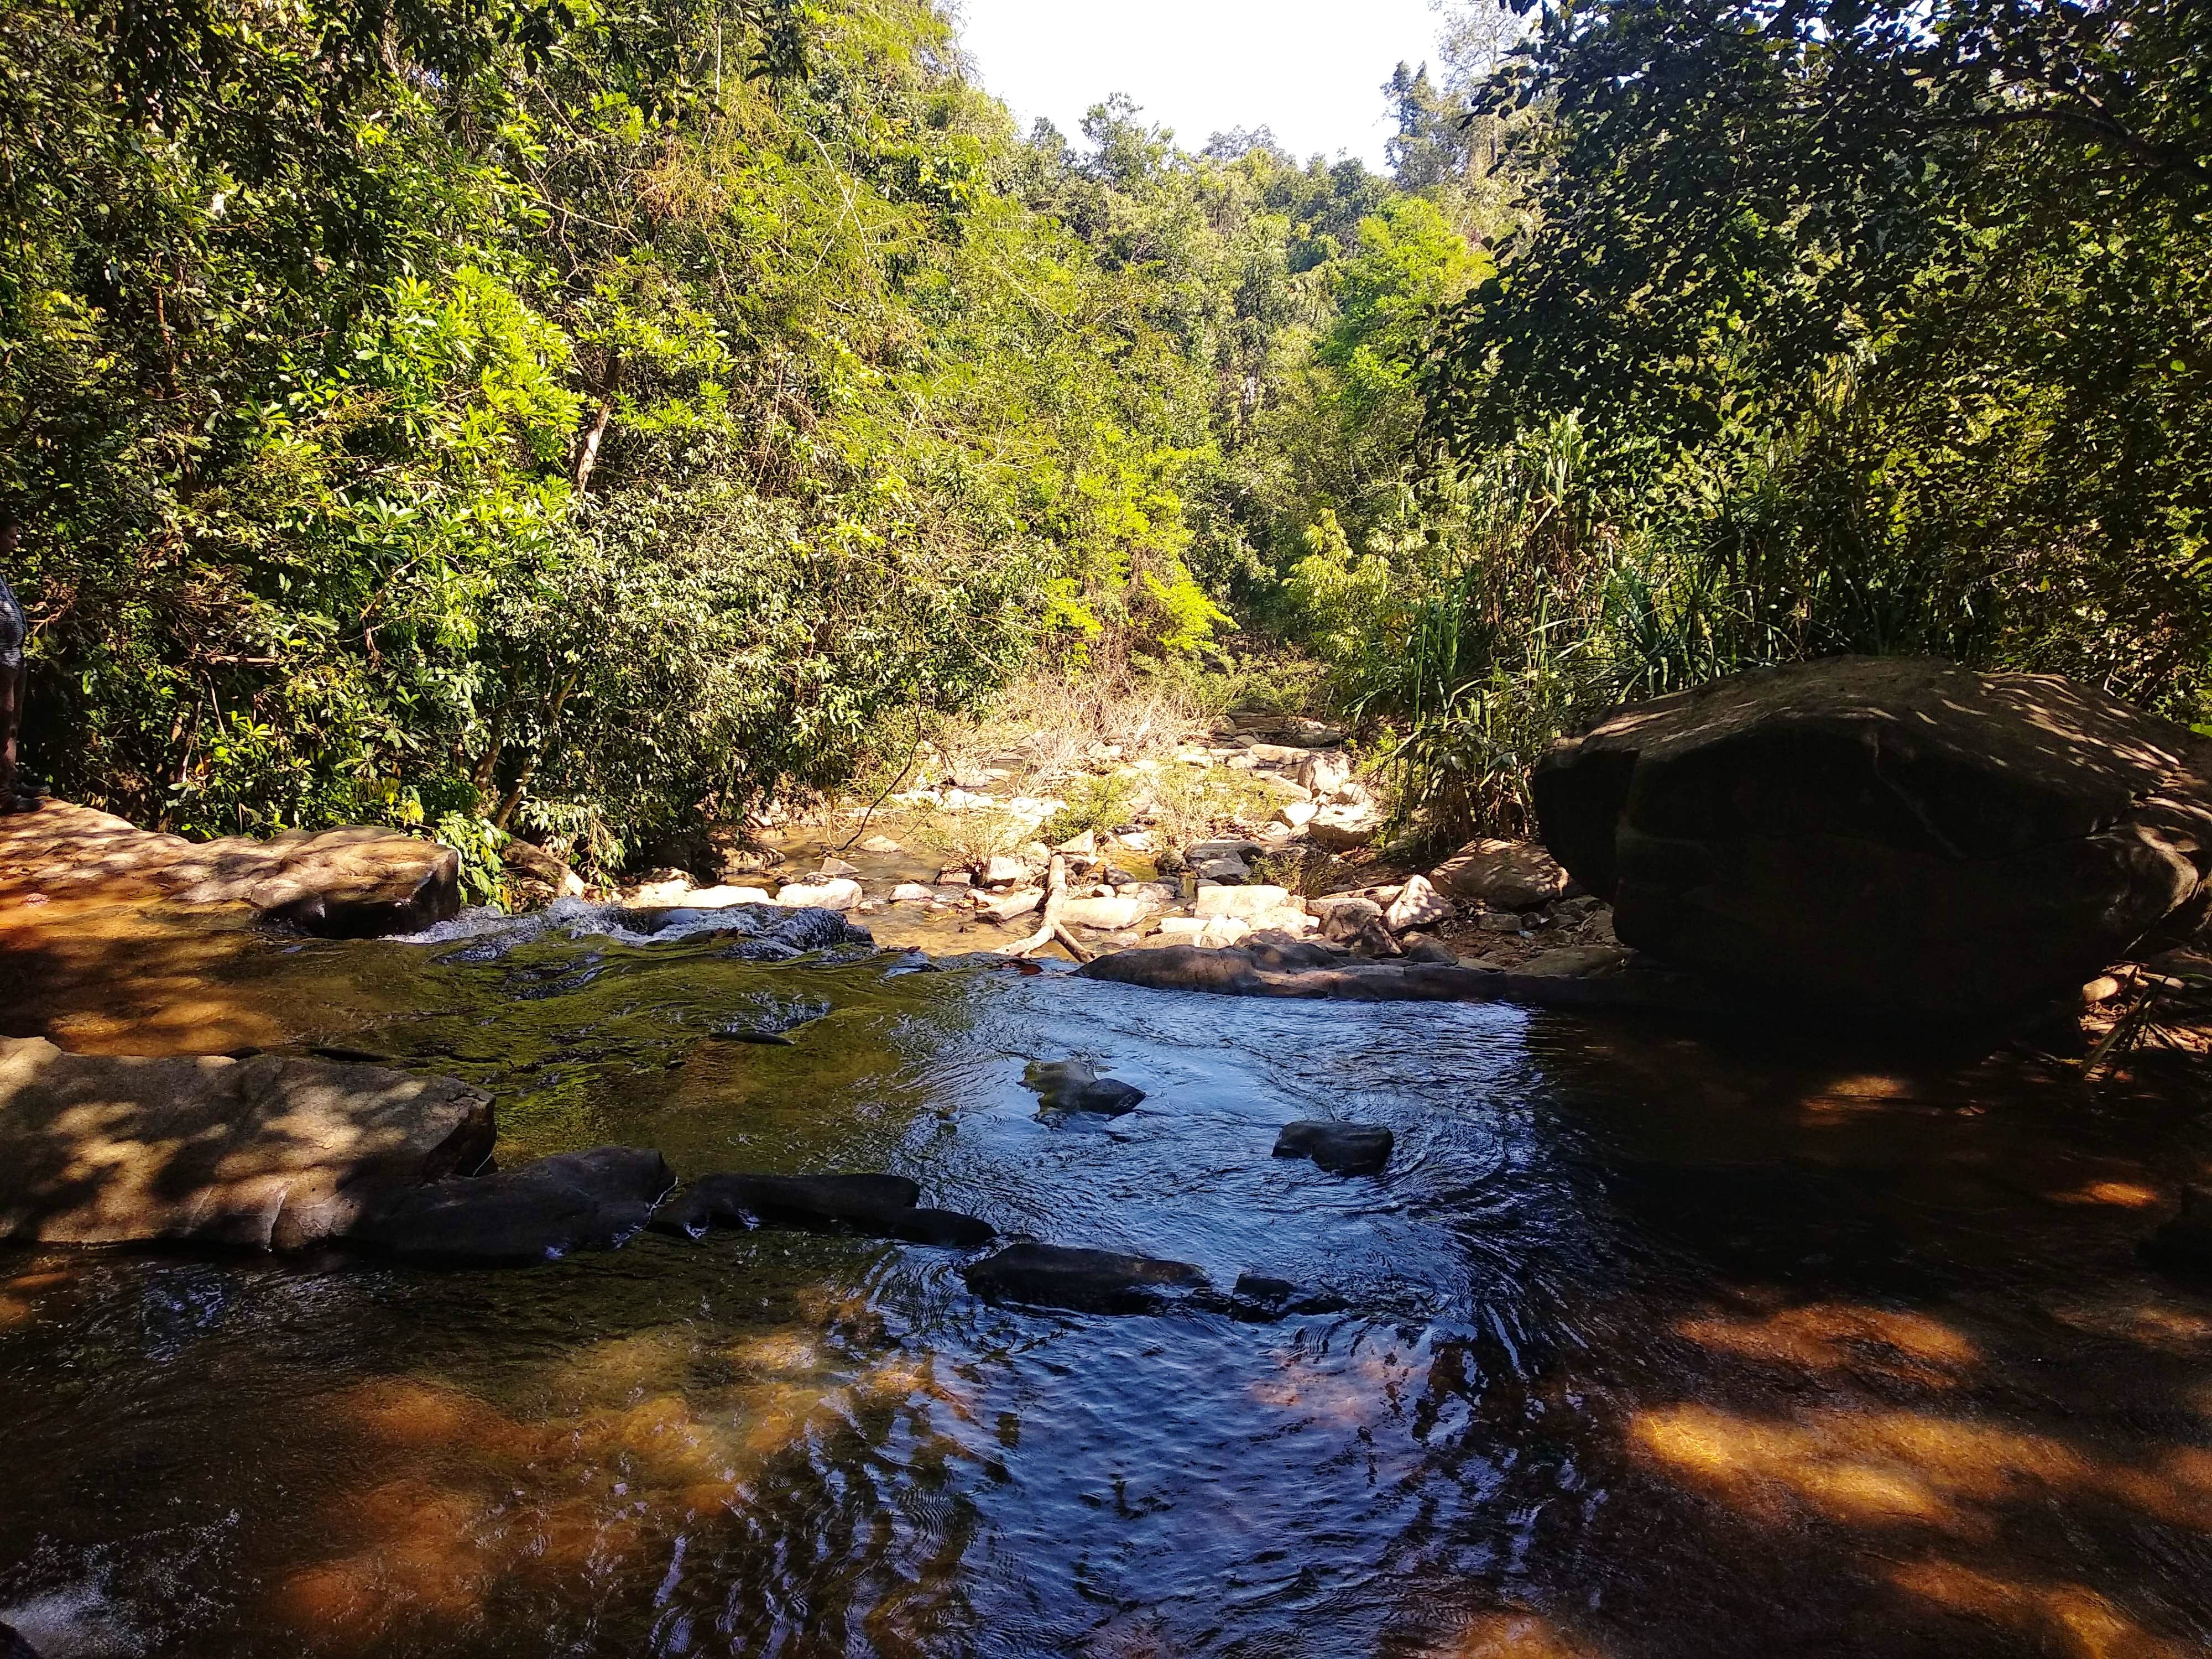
[(1649, 1350)]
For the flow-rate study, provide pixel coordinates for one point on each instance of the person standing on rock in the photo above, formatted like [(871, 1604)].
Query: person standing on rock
[(14, 629)]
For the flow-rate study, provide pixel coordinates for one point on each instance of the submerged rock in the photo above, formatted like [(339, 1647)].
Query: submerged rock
[(597, 1199), (770, 1019), (1339, 1148), (1257, 1295), (1900, 836), (269, 1153), (1088, 1281), (877, 1206), (1075, 1085)]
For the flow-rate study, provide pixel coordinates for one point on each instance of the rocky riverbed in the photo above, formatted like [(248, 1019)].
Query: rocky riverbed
[(874, 1276)]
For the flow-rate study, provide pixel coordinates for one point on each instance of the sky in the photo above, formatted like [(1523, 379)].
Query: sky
[(1311, 69)]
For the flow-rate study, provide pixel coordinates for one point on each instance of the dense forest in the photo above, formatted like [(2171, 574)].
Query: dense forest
[(580, 423)]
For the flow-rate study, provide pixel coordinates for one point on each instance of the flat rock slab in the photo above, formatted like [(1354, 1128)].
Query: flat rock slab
[(1087, 1281), (597, 1199), (876, 1206), (1298, 969), (356, 882), (1075, 1085), (1339, 1148), (268, 1153)]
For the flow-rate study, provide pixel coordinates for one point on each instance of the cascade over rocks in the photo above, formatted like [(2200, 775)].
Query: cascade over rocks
[(269, 1153), (1903, 835)]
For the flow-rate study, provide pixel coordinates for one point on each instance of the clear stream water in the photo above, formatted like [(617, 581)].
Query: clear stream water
[(1651, 1347)]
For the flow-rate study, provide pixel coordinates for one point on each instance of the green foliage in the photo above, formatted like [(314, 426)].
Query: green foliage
[(1886, 323), (509, 419), (1097, 801)]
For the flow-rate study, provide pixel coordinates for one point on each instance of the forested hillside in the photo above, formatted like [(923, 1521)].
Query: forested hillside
[(521, 418)]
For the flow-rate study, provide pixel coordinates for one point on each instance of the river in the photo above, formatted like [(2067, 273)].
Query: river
[(1648, 1345)]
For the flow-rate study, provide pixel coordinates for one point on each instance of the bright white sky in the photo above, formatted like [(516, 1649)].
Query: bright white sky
[(1311, 69)]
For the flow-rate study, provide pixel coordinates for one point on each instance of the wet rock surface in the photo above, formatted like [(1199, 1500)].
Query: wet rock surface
[(1900, 836), (1075, 1085), (876, 1205), (595, 1200), (1339, 1148), (1084, 1281), (1265, 968), (268, 1153)]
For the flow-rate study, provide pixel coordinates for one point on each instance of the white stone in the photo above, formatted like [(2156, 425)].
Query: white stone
[(1341, 827), (841, 894), (721, 898), (1105, 913), (1295, 814), (1005, 907), (910, 890), (1240, 901), (658, 893), (1083, 845), (999, 870), (1418, 905), (1323, 775), (879, 844)]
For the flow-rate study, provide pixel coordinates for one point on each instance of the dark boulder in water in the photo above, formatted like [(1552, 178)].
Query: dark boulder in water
[(1899, 836), (12, 1646), (1088, 1281), (1339, 1148), (876, 1205), (578, 1200), (1075, 1085)]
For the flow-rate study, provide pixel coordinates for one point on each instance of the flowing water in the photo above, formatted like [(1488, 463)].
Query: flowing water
[(1648, 1346)]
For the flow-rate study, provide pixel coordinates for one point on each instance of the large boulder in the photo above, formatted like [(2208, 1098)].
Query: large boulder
[(354, 881), (1507, 875), (268, 1153), (1897, 834)]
